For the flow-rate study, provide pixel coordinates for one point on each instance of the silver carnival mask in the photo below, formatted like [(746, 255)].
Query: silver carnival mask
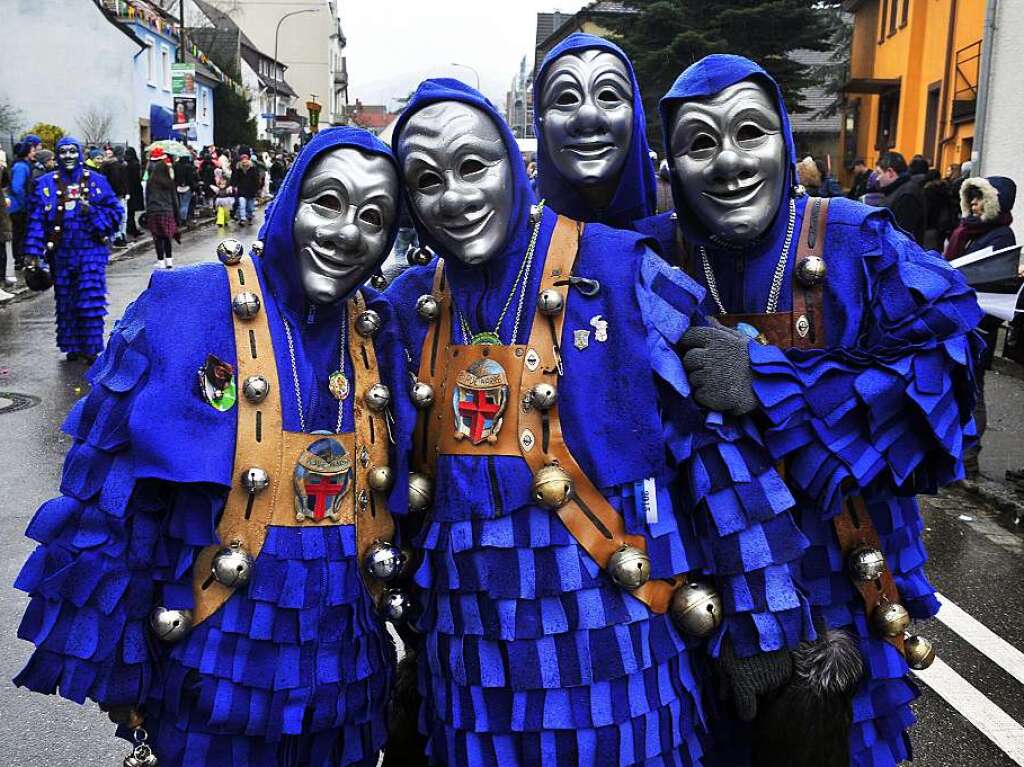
[(586, 118), (68, 156), (346, 209), (458, 176), (729, 154)]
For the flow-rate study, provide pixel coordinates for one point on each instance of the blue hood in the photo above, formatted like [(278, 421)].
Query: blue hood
[(278, 262), (705, 78), (636, 193), (478, 290), (77, 172)]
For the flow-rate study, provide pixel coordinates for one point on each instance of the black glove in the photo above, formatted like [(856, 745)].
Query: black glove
[(744, 679), (718, 363)]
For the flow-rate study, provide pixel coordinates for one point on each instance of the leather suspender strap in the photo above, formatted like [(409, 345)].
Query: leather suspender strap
[(259, 442), (433, 359), (808, 301), (591, 520)]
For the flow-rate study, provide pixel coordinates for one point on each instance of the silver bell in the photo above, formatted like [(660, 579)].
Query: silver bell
[(379, 478), (421, 492), (427, 307), (866, 563), (257, 247), (810, 271), (230, 251), (919, 651), (368, 323), (890, 619), (141, 756), (383, 561), (378, 397), (421, 256), (245, 305), (170, 625), (696, 609), (550, 302), (379, 281), (255, 480), (232, 566), (255, 389), (422, 395), (543, 396), (395, 605), (630, 568)]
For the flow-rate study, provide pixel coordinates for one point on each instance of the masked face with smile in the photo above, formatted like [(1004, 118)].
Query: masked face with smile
[(68, 155), (730, 157), (458, 177), (346, 209), (587, 117)]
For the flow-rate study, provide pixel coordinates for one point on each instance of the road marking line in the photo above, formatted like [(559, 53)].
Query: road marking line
[(994, 723), (981, 638)]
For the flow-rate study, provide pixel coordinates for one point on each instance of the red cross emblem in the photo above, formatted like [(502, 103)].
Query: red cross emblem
[(322, 489), (480, 410), (323, 475), (479, 400)]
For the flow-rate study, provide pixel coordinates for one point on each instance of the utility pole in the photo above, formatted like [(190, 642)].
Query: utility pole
[(181, 31)]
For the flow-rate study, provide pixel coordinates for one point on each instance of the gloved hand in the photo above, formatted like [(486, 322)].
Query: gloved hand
[(718, 363), (744, 679)]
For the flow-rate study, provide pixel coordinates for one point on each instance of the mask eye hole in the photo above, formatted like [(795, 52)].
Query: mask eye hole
[(428, 182), (567, 99), (702, 145), (328, 201), (750, 135), (471, 169), (372, 217), (608, 97)]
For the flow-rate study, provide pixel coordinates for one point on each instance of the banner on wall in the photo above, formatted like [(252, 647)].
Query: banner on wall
[(183, 80), (184, 113)]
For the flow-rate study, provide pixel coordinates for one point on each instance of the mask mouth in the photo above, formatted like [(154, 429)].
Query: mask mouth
[(465, 231), (590, 150), (332, 262), (737, 197)]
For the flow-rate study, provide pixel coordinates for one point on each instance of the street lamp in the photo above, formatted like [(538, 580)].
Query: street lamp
[(467, 66), (277, 31)]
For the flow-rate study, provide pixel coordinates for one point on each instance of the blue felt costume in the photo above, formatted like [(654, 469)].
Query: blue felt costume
[(294, 668), (533, 656), (79, 256), (885, 406), (636, 190)]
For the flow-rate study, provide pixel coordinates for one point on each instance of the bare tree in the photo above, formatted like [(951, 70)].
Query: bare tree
[(10, 116), (95, 124)]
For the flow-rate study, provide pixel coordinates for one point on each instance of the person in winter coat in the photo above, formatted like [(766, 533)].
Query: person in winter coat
[(20, 192), (903, 195), (113, 167), (809, 176), (187, 179), (248, 182), (161, 206), (133, 183), (861, 175), (223, 196), (6, 235)]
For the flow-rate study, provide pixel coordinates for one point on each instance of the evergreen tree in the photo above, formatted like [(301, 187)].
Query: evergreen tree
[(232, 124), (664, 37)]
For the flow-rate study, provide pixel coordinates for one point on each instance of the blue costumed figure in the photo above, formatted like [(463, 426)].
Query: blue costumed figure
[(593, 160), (72, 214), (573, 479), (214, 566), (857, 349)]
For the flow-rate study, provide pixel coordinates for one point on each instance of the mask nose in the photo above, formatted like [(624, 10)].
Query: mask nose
[(730, 165), (589, 119), (345, 236), (456, 201)]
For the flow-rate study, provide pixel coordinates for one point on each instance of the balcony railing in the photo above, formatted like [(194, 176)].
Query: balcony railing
[(965, 88)]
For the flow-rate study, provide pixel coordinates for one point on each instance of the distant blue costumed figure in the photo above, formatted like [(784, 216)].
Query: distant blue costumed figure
[(72, 214), (198, 461), (877, 404), (532, 654)]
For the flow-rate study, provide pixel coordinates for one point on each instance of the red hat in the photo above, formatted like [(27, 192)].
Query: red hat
[(157, 153)]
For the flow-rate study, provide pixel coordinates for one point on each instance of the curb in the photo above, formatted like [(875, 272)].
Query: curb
[(999, 496)]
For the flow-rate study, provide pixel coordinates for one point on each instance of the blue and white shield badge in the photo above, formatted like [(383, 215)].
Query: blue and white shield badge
[(321, 480), (479, 400)]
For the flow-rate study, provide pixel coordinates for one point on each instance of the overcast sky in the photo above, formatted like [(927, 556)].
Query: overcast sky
[(394, 44)]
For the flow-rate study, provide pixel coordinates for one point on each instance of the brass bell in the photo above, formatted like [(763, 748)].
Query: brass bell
[(245, 305), (378, 281), (696, 609), (552, 487), (866, 563), (255, 480), (421, 492), (255, 389), (395, 605), (890, 619), (378, 397), (230, 251), (920, 652), (379, 478), (422, 395), (629, 567), (420, 256), (232, 566), (368, 323), (543, 396), (427, 307), (383, 561), (550, 302), (810, 271), (170, 625), (257, 247)]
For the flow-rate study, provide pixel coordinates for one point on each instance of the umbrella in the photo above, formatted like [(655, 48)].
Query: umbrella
[(171, 147)]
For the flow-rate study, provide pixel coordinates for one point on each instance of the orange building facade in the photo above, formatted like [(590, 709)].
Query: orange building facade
[(913, 81)]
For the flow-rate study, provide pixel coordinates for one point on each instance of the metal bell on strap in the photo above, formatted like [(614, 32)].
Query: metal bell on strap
[(890, 619), (383, 561), (380, 479), (170, 625), (257, 247), (230, 251), (810, 271), (696, 609), (255, 389), (395, 605), (427, 307), (550, 302), (552, 487), (543, 396), (232, 566), (421, 492), (245, 305), (866, 563), (255, 480), (378, 281), (420, 256), (368, 323), (422, 395), (629, 567), (920, 652), (378, 397)]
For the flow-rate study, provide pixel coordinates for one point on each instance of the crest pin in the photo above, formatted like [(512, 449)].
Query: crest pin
[(527, 440), (803, 326), (532, 360), (600, 326), (581, 339)]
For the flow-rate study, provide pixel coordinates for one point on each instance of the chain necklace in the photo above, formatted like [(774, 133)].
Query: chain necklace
[(295, 371), (780, 268), (519, 286)]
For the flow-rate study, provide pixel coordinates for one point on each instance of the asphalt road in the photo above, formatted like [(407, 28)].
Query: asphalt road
[(971, 711)]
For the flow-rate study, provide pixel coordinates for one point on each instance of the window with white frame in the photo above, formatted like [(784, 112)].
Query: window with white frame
[(165, 66), (150, 61)]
